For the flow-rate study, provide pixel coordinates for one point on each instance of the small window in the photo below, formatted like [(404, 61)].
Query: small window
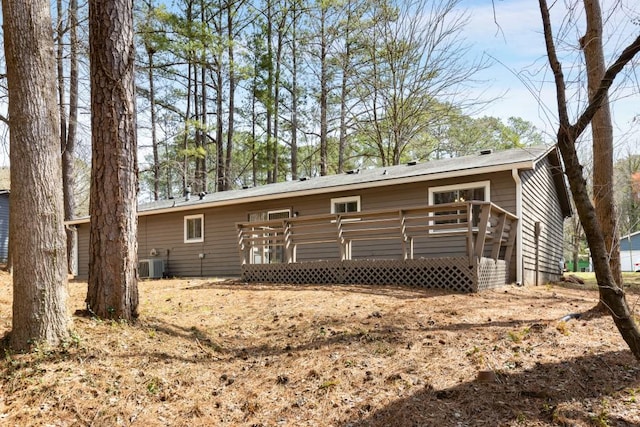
[(345, 205), (459, 193), (194, 228)]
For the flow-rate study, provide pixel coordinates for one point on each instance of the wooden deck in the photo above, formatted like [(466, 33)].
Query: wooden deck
[(488, 233)]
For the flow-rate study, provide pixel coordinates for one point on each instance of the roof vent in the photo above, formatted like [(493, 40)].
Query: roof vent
[(485, 152), (412, 163)]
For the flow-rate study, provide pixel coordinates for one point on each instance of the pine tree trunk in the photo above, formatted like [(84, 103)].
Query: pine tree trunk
[(113, 287), (36, 235), (232, 91)]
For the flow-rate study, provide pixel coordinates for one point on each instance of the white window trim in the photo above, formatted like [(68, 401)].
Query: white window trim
[(344, 200), (186, 228), (278, 211), (462, 186)]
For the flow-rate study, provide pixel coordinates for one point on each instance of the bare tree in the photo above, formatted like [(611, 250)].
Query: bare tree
[(611, 295), (113, 274), (36, 232), (414, 65), (68, 123)]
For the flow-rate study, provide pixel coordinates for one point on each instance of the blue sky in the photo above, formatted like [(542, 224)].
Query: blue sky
[(510, 31)]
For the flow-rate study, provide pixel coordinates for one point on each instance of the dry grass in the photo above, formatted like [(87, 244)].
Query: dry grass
[(216, 353), (630, 280)]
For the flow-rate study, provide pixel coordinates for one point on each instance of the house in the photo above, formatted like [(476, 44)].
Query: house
[(463, 223), (630, 252), (4, 225)]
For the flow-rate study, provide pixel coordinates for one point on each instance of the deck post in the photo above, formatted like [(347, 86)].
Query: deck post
[(485, 210), (497, 236), (403, 236), (511, 240), (470, 242), (289, 248), (341, 240), (242, 246)]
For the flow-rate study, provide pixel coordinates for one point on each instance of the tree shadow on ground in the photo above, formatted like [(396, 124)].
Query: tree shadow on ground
[(392, 291), (243, 348), (543, 395)]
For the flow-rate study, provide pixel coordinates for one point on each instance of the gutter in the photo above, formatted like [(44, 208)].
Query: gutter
[(516, 178)]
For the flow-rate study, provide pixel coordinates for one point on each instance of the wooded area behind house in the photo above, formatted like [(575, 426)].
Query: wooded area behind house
[(241, 93)]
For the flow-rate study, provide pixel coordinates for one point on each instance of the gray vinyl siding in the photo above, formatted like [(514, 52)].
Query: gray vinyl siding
[(630, 242), (4, 227), (164, 233), (83, 250), (540, 203)]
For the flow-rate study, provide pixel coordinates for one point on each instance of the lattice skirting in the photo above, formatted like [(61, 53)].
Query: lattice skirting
[(444, 273), (492, 274)]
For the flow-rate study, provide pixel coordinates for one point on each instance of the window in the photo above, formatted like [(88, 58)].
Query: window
[(459, 193), (345, 204), (194, 228)]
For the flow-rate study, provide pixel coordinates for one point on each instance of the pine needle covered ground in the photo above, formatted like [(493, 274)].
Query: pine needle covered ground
[(221, 353)]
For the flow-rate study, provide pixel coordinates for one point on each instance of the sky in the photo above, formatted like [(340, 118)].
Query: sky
[(510, 33), (519, 82)]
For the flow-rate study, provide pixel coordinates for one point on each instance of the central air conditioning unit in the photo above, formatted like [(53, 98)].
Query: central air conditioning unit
[(151, 268)]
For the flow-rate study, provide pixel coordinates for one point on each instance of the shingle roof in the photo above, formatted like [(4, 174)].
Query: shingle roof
[(521, 158), (373, 177)]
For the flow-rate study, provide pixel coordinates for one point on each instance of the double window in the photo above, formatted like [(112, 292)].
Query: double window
[(194, 228), (459, 193)]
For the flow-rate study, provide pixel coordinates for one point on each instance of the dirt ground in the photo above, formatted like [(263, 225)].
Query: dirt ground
[(222, 353)]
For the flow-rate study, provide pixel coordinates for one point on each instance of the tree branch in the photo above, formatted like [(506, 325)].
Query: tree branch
[(607, 80), (555, 65)]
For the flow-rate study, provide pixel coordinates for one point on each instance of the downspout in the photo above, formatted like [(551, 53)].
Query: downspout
[(518, 182)]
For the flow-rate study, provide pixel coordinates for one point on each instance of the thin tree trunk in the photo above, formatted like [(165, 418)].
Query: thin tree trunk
[(232, 91), (254, 119), (269, 101), (113, 258), (36, 234), (220, 158), (187, 117), (602, 135), (202, 169), (611, 295), (68, 155), (154, 137), (324, 93), (276, 101), (294, 92), (68, 126)]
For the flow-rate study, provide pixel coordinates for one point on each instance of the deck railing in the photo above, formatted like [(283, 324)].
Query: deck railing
[(485, 227)]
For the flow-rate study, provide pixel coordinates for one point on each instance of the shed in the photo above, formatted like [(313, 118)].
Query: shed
[(630, 252)]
